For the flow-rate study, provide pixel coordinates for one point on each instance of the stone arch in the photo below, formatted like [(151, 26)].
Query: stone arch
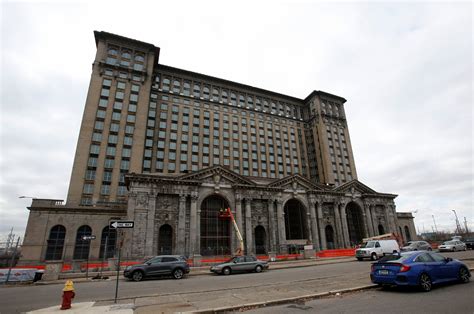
[(330, 239), (295, 220), (225, 194), (165, 240), (355, 223), (215, 230), (54, 249), (260, 240), (407, 233)]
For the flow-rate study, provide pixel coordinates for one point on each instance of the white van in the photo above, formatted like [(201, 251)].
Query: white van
[(377, 248)]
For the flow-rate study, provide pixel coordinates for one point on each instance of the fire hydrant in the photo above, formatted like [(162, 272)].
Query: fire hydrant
[(68, 295)]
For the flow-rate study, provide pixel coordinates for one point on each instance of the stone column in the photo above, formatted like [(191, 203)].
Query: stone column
[(193, 226), (314, 225), (271, 225), (181, 238), (369, 220), (339, 232), (373, 213), (198, 232), (150, 247), (322, 231), (248, 227), (238, 215), (281, 225), (345, 228), (394, 219), (365, 223)]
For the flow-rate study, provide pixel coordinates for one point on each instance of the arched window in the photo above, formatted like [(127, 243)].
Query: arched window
[(54, 250), (108, 240), (196, 90), (205, 92), (81, 248), (139, 58)]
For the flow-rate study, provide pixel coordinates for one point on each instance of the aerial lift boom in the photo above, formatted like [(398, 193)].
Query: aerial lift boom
[(227, 213)]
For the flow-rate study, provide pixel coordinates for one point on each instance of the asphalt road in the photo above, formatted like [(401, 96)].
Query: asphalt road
[(446, 299), (17, 299)]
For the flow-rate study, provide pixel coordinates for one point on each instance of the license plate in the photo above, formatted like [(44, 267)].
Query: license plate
[(383, 272)]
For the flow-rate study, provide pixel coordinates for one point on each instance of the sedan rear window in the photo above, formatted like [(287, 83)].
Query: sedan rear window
[(394, 258)]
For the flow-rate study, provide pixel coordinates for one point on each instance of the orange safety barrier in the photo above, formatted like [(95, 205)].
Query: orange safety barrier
[(336, 253)]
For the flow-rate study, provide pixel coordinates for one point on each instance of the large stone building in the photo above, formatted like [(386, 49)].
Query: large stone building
[(168, 148)]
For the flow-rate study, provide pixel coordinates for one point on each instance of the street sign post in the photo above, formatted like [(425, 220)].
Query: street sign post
[(122, 224), (88, 238), (119, 224)]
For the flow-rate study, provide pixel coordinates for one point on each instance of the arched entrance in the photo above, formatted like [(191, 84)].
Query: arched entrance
[(295, 223), (381, 229), (165, 240), (407, 233), (215, 230), (330, 237), (260, 237), (354, 223)]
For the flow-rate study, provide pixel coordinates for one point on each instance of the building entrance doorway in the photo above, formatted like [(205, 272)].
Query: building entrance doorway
[(165, 240), (260, 237), (295, 220), (215, 230), (354, 223), (330, 237)]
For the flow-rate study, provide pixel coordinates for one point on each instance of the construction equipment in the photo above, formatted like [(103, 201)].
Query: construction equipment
[(227, 213)]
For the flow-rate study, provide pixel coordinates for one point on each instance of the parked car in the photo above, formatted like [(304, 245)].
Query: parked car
[(421, 268), (416, 246), (375, 249), (161, 265), (469, 243), (240, 264), (452, 246)]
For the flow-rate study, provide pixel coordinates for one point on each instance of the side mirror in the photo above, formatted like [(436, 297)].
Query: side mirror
[(148, 263), (448, 259), (235, 262)]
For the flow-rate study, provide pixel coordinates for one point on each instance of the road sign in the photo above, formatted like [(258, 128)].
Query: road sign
[(122, 224), (90, 237)]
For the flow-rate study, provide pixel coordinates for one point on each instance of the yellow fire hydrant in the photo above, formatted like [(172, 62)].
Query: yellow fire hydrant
[(68, 295)]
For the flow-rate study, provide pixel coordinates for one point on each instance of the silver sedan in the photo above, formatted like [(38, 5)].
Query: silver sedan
[(452, 246), (240, 264)]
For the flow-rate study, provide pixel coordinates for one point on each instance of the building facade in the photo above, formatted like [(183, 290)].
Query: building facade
[(168, 148)]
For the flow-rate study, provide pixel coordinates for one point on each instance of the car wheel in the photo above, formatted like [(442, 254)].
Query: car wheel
[(359, 258), (373, 256), (463, 275), (425, 282), (258, 269), (226, 271), (137, 275), (178, 273)]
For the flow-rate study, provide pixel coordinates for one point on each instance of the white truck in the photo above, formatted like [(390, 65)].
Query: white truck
[(376, 248)]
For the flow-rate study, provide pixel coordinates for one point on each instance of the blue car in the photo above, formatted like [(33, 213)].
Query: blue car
[(421, 268)]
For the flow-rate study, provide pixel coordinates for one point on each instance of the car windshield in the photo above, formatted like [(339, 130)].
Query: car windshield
[(449, 243), (230, 260), (369, 244)]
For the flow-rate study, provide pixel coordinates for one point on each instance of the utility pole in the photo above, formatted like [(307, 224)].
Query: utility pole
[(436, 227), (458, 226)]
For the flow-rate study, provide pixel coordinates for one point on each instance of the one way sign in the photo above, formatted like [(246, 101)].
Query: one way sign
[(121, 224)]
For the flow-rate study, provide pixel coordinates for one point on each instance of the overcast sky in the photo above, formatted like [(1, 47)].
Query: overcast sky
[(406, 70)]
